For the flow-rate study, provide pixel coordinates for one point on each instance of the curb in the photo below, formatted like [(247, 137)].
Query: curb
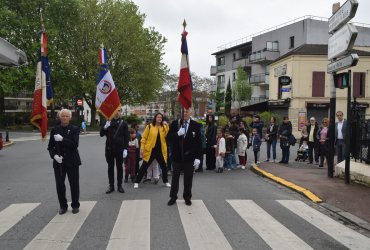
[(8, 144), (286, 183)]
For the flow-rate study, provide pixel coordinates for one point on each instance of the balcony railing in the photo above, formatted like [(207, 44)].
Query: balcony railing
[(258, 78), (244, 62), (213, 70), (220, 68), (263, 56)]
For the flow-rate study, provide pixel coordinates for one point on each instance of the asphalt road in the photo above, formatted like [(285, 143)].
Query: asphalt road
[(233, 210)]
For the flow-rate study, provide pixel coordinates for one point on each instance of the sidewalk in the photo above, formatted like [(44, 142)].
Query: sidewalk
[(349, 201)]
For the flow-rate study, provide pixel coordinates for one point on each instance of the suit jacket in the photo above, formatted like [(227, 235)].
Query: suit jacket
[(343, 130), (66, 148), (192, 145), (117, 136)]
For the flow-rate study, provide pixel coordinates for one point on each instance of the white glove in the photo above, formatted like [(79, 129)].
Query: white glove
[(124, 153), (181, 132), (58, 158), (196, 164), (107, 124), (58, 137)]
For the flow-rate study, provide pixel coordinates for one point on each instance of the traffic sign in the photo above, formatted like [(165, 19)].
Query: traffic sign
[(285, 89), (79, 102), (343, 15), (346, 62), (342, 41)]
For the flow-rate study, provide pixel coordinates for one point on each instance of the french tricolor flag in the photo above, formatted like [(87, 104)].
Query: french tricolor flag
[(185, 86), (107, 101)]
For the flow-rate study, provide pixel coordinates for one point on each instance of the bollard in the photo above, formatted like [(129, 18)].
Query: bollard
[(7, 136)]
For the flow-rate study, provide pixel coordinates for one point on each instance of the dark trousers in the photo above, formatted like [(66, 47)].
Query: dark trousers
[(188, 169), (324, 151), (286, 153), (144, 166), (73, 178), (340, 150), (313, 150), (210, 158), (111, 157), (256, 155), (271, 144)]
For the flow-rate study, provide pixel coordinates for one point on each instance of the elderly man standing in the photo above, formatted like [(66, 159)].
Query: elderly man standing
[(63, 144), (340, 135), (313, 144), (185, 138), (116, 145)]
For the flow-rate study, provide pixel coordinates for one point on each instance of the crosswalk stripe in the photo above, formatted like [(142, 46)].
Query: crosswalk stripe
[(60, 231), (339, 232), (13, 214), (201, 230), (270, 230), (132, 227)]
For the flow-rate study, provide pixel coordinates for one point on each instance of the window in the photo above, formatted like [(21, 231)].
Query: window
[(291, 42), (234, 76), (221, 61), (221, 81), (234, 56), (272, 46), (318, 84), (358, 84)]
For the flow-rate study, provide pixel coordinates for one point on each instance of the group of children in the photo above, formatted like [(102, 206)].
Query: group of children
[(225, 148)]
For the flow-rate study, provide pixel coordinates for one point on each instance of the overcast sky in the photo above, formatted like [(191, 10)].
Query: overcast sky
[(212, 23)]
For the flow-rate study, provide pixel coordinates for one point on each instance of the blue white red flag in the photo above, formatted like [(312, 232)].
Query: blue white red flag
[(43, 94), (107, 101), (185, 86)]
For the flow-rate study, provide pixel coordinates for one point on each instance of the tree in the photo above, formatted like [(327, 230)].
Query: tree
[(219, 99), (242, 90), (228, 99)]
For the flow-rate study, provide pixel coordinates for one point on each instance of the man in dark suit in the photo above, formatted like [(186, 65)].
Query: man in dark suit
[(62, 147), (340, 135), (116, 145), (185, 138)]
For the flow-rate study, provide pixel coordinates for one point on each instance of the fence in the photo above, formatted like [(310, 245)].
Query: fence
[(360, 135)]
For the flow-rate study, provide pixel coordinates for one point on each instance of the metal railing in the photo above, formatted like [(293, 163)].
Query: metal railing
[(360, 136)]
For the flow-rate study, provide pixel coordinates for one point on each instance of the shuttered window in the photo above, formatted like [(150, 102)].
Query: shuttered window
[(318, 84), (358, 84)]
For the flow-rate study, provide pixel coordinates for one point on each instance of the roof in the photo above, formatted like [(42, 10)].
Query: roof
[(316, 50)]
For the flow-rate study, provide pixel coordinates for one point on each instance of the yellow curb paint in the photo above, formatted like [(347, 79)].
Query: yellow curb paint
[(289, 184), (8, 144)]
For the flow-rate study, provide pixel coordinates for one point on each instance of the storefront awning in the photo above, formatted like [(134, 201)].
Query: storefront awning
[(257, 107)]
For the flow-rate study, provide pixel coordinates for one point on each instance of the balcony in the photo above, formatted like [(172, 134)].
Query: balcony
[(261, 98), (263, 56), (244, 62), (220, 68), (259, 79), (213, 70)]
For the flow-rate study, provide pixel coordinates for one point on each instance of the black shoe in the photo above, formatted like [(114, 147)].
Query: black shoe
[(110, 189), (171, 202), (281, 161), (199, 170), (188, 202), (147, 180), (120, 189), (75, 210), (62, 210)]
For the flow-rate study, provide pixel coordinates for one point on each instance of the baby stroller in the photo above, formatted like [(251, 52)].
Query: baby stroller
[(302, 155)]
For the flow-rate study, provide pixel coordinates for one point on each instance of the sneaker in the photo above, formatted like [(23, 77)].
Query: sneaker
[(267, 160), (258, 162), (243, 167), (229, 169), (167, 184), (136, 185)]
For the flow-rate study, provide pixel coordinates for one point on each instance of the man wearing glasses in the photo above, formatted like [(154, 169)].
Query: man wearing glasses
[(313, 148), (340, 135)]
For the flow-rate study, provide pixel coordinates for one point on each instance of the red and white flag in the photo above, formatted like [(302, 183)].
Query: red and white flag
[(39, 116), (185, 85), (107, 101)]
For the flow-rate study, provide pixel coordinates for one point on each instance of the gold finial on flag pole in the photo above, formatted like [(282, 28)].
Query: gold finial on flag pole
[(101, 45), (184, 24), (41, 19)]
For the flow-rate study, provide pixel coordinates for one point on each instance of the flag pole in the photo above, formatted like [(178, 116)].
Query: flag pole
[(182, 113), (182, 107)]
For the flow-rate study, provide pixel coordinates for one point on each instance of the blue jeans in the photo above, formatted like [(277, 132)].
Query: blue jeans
[(233, 159), (286, 152), (273, 145), (228, 160)]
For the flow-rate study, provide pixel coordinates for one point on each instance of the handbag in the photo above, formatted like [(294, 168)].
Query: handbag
[(292, 140)]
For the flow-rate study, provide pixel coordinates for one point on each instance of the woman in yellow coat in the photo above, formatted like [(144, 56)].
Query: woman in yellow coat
[(154, 146)]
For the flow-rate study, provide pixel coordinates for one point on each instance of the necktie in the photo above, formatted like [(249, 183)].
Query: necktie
[(185, 127)]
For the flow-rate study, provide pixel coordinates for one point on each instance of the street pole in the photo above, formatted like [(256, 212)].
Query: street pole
[(348, 131), (331, 127)]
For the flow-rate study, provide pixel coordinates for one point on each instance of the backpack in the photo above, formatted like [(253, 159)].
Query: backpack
[(292, 140)]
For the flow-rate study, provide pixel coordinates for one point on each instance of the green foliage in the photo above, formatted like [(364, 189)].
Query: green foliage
[(223, 120), (219, 98), (242, 90), (228, 99), (248, 120), (266, 116), (133, 119)]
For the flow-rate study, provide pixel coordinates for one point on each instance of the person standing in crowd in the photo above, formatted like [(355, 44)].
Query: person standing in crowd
[(234, 131), (220, 151), (116, 144), (154, 146), (229, 141), (63, 149), (132, 156), (256, 145), (285, 131), (323, 138), (211, 133), (204, 146), (138, 137), (271, 138), (186, 152), (257, 124), (313, 147), (340, 135), (242, 145)]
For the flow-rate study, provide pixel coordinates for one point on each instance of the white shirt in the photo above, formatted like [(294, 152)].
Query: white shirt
[(340, 134)]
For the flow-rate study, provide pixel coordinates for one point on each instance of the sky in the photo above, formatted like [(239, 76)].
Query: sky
[(213, 23)]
